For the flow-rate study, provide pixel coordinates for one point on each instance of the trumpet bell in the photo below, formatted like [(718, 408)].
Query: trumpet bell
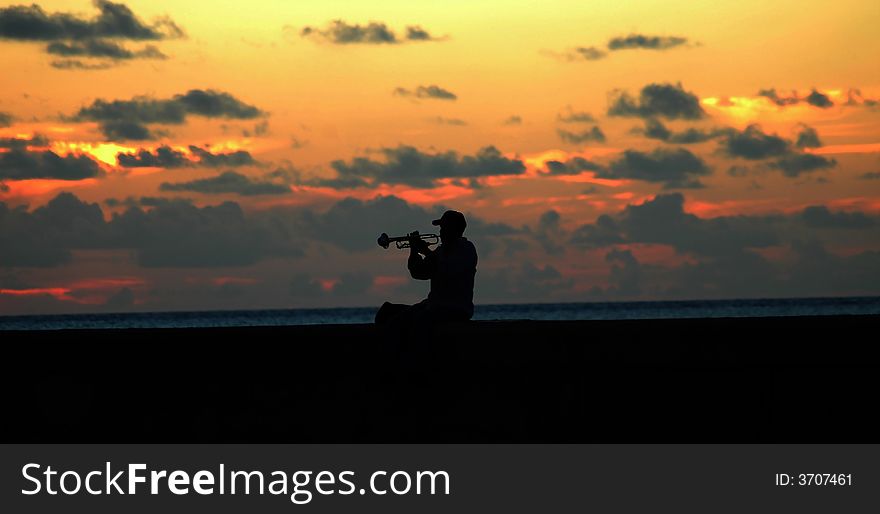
[(384, 240)]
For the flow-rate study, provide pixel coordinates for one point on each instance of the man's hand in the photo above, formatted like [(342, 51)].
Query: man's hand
[(419, 245)]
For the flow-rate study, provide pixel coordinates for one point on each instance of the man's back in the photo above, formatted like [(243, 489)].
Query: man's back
[(451, 269)]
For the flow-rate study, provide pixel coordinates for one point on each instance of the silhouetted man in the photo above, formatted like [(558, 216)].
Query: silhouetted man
[(450, 268)]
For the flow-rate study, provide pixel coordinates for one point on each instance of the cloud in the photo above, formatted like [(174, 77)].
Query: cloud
[(354, 225), (657, 100), (549, 234), (626, 273), (628, 42), (815, 98), (74, 64), (23, 143), (163, 157), (571, 167), (6, 119), (571, 116), (409, 166), (796, 164), (593, 134), (70, 35), (674, 167), (45, 236), (432, 91), (338, 32), (819, 216), (229, 182), (854, 97), (216, 160), (753, 144), (655, 129), (642, 41), (871, 175), (580, 53), (127, 119), (663, 220), (115, 21), (526, 282), (513, 120), (167, 157), (102, 49), (22, 164), (807, 137)]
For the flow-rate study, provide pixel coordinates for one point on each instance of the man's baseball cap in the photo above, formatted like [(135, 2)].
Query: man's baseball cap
[(453, 220)]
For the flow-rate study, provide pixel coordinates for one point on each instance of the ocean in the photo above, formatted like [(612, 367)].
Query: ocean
[(535, 311)]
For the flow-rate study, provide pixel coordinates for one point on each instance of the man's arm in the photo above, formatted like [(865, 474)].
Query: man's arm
[(421, 268)]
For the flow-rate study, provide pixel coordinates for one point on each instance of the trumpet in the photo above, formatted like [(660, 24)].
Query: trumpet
[(405, 241)]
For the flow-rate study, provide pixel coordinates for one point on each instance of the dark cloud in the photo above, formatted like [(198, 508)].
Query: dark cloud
[(22, 164), (819, 216), (580, 53), (216, 160), (100, 48), (409, 166), (6, 119), (815, 98), (781, 101), (752, 143), (571, 116), (818, 99), (228, 182), (646, 42), (45, 236), (657, 100), (115, 21), (74, 64), (807, 137), (593, 134), (571, 167), (23, 143), (338, 32), (549, 234), (70, 35), (127, 119), (655, 129), (513, 120), (179, 234), (871, 175), (625, 274), (673, 167), (526, 282), (432, 91), (4, 188), (163, 157), (663, 220), (167, 157), (796, 164), (604, 232), (854, 97), (388, 214)]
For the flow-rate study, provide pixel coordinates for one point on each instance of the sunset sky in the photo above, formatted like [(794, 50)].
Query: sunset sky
[(231, 155)]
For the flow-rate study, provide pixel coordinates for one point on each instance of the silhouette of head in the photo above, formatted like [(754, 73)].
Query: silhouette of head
[(452, 225)]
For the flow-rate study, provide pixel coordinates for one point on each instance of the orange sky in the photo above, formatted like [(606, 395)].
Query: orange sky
[(322, 101)]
